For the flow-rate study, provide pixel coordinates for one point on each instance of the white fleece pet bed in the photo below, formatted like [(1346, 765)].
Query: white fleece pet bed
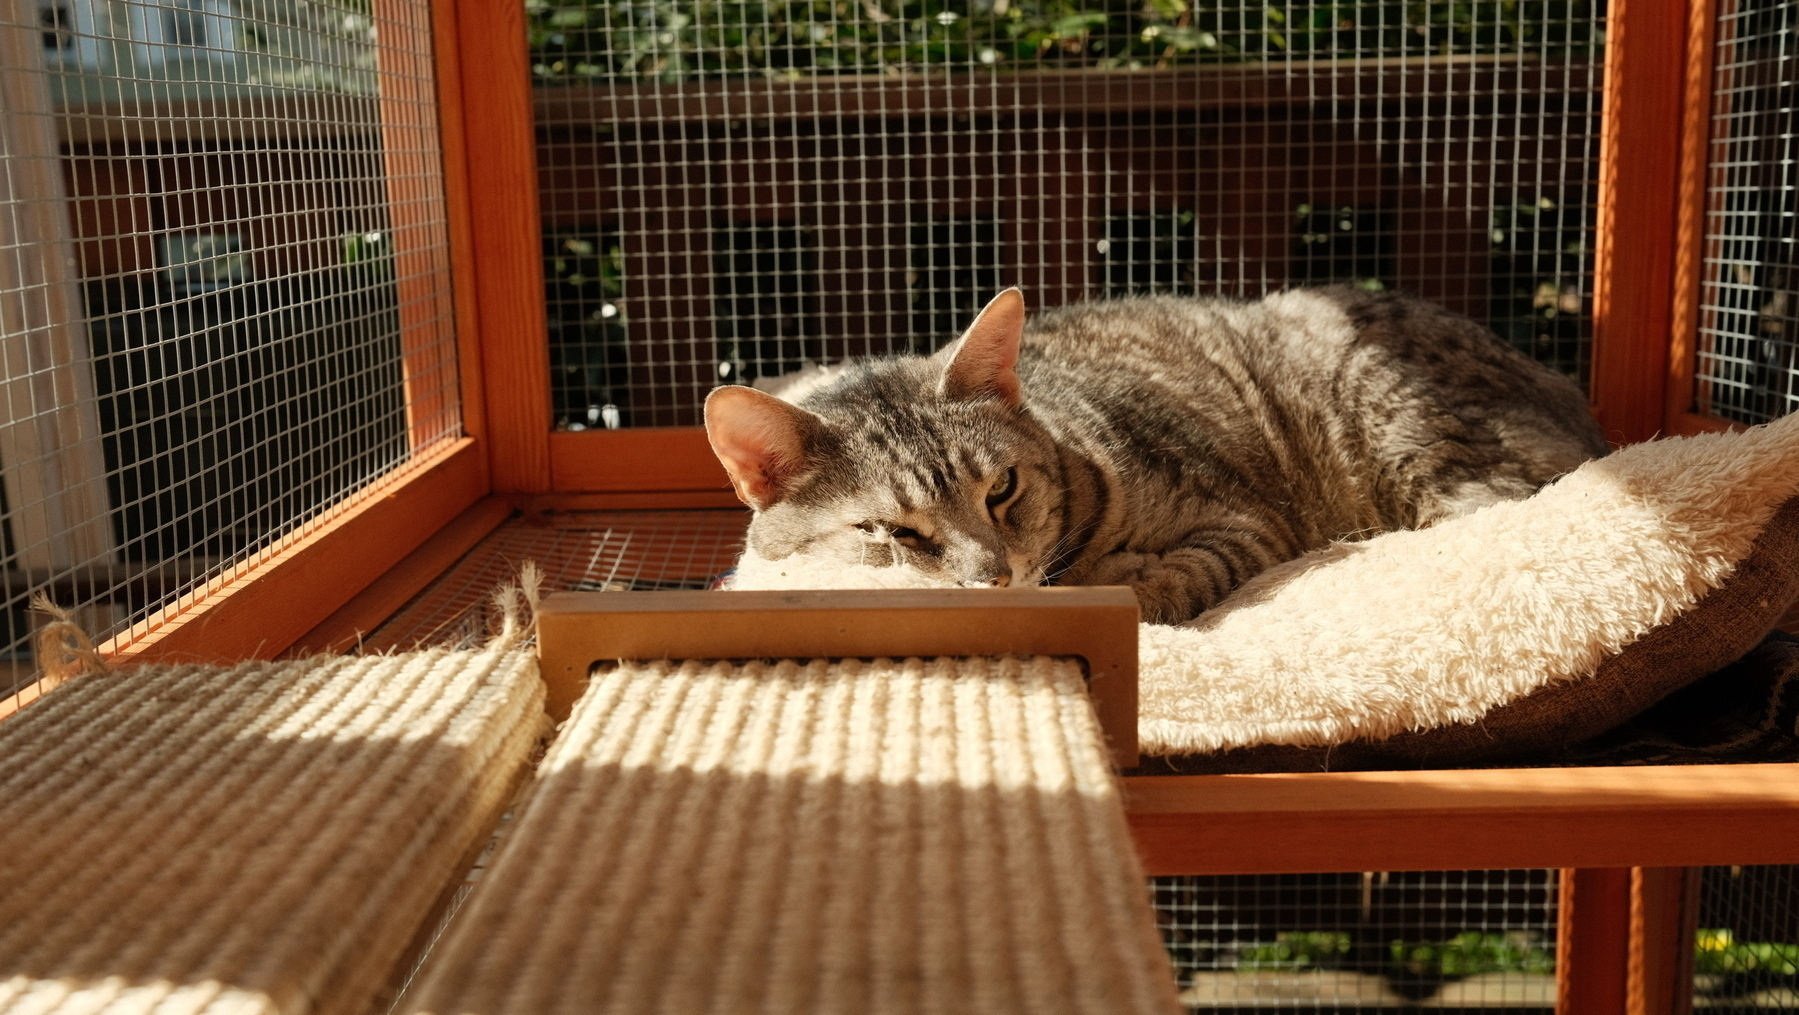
[(1521, 626)]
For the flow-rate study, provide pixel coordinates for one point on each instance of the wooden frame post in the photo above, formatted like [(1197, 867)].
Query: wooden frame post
[(1633, 273), (417, 242), (1664, 920), (1695, 203), (499, 154), (1592, 947)]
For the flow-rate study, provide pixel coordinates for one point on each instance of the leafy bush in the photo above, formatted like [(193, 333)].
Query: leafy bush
[(676, 40), (1465, 954), (1472, 952), (1296, 950), (1719, 954)]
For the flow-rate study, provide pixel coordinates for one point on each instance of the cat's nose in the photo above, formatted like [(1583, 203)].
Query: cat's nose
[(1000, 581), (995, 582)]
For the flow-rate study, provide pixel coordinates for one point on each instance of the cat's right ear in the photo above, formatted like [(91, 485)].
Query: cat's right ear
[(982, 363), (761, 441)]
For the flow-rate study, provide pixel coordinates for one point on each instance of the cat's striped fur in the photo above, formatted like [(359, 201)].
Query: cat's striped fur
[(1178, 446)]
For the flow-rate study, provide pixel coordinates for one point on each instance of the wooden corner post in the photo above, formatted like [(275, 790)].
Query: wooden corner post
[(503, 261), (1639, 183)]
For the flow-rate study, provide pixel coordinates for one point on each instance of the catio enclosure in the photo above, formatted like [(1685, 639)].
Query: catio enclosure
[(320, 316), (732, 191)]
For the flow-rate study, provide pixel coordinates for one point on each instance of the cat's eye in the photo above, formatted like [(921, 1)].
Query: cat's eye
[(1003, 486), (898, 533)]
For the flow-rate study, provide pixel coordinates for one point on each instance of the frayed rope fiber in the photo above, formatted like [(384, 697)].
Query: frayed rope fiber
[(259, 838), (63, 649), (919, 836)]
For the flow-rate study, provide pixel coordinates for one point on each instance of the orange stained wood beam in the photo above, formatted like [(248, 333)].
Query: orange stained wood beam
[(1664, 921), (459, 216), (1639, 156), (1592, 941), (1624, 940), (620, 461), (1650, 816), (1684, 411), (417, 243), (503, 261)]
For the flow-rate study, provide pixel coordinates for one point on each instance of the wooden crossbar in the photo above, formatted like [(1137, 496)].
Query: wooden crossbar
[(1642, 816), (575, 630)]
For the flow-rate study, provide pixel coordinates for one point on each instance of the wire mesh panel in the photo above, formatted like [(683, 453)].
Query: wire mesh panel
[(732, 190), (223, 285), (1747, 954), (598, 551), (1476, 940), (1746, 366)]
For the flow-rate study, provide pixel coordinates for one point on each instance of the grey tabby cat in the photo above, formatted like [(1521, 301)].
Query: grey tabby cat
[(1178, 446)]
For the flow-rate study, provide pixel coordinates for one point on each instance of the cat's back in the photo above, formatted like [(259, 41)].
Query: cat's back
[(1361, 345), (1289, 337), (1386, 398)]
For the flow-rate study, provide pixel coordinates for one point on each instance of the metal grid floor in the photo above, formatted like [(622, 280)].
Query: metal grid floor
[(581, 552)]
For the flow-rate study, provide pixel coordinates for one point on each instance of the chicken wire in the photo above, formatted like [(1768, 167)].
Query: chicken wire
[(1480, 940), (733, 190), (1746, 369), (1746, 957), (223, 292), (601, 551)]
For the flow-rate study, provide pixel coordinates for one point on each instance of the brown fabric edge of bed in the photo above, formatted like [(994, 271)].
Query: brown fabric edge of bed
[(1721, 628)]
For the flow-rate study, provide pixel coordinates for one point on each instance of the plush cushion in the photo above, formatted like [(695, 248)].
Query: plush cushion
[(1721, 628), (1523, 627)]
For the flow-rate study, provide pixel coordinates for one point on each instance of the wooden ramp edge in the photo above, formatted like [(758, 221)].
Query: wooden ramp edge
[(941, 835), (1098, 625), (261, 838)]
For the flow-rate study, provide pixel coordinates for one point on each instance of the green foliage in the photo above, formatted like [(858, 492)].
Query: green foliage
[(676, 40), (1472, 952), (1465, 954), (1296, 950), (1719, 954)]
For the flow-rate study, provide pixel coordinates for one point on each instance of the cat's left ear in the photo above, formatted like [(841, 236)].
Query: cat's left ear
[(983, 362), (761, 441)]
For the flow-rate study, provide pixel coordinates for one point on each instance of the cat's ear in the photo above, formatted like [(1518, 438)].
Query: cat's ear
[(761, 440), (983, 361)]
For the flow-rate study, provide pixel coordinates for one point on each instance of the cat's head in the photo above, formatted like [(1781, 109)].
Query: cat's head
[(932, 465)]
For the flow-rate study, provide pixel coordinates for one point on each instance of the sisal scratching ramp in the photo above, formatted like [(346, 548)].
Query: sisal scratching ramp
[(264, 838), (926, 836)]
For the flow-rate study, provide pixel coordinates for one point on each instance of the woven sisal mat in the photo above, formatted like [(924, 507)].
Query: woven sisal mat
[(920, 837), (266, 838)]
